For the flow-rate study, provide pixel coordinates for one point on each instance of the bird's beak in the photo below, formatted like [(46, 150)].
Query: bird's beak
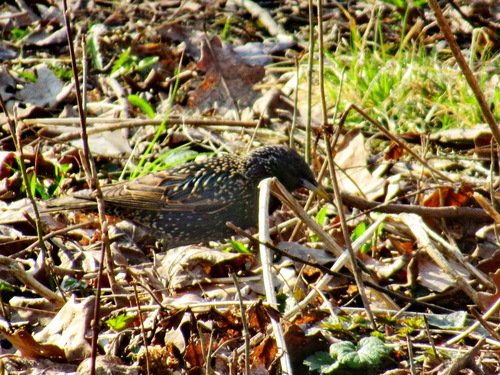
[(314, 187)]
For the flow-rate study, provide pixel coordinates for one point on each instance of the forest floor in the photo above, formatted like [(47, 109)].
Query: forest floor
[(395, 271)]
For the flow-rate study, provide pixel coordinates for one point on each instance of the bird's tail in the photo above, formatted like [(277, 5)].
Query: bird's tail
[(80, 201)]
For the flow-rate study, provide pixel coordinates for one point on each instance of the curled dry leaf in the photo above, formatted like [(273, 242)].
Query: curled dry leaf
[(69, 329), (189, 265)]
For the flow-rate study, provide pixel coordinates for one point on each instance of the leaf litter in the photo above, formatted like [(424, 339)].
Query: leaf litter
[(432, 280)]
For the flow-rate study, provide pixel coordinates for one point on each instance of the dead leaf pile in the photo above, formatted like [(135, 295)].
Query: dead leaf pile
[(167, 82)]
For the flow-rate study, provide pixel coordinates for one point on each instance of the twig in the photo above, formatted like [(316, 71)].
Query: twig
[(488, 207), (89, 167), (447, 212), (143, 331), (429, 337), (310, 62), (49, 236), (485, 324), (265, 257), (466, 361), (333, 175), (265, 18), (488, 314), (116, 124), (409, 344), (13, 268), (244, 323)]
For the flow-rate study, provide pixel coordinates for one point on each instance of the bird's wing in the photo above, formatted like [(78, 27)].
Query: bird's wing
[(179, 190)]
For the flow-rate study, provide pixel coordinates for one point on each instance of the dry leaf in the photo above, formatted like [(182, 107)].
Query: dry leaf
[(69, 329), (228, 79)]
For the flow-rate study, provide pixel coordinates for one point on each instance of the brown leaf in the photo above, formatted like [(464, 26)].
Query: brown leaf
[(30, 348), (68, 329), (352, 158), (489, 299), (393, 152), (300, 346), (188, 265), (264, 354), (447, 196), (194, 354), (258, 318), (228, 79)]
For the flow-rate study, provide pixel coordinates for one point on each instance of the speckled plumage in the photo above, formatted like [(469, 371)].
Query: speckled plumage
[(192, 203)]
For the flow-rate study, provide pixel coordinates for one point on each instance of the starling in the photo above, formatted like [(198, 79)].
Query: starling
[(192, 203)]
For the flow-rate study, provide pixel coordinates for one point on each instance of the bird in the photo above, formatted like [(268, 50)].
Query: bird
[(191, 204)]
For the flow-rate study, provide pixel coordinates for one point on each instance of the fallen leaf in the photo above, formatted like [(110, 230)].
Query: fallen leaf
[(69, 329), (228, 79)]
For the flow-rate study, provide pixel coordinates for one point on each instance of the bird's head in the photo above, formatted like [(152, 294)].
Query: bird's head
[(283, 163)]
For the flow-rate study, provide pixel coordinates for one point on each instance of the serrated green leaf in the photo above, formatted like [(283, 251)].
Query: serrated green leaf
[(341, 349), (120, 322), (372, 351), (321, 362), (369, 353)]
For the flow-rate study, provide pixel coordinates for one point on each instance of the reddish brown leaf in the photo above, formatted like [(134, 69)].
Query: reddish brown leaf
[(265, 353), (194, 353), (447, 196), (29, 347), (258, 318), (393, 152)]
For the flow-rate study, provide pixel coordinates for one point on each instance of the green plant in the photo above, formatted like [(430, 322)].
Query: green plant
[(128, 63), (143, 104), (321, 219), (121, 321), (169, 158), (47, 187), (17, 34), (408, 87), (366, 355)]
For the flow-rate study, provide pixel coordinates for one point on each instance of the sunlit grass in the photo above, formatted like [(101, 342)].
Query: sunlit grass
[(408, 88)]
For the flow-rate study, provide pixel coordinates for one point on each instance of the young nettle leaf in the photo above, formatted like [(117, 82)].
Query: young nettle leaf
[(368, 354), (17, 34), (122, 62), (121, 321), (357, 232)]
